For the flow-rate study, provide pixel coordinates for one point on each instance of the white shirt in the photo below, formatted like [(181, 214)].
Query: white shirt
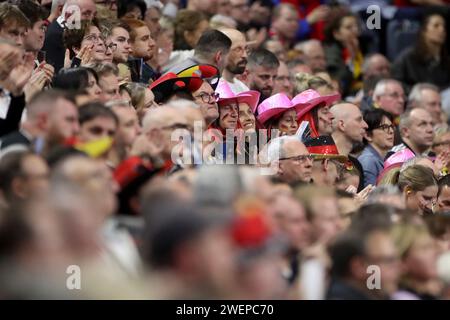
[(5, 101)]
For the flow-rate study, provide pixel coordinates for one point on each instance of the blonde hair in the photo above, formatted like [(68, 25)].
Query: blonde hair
[(416, 177), (137, 93), (405, 234), (305, 81)]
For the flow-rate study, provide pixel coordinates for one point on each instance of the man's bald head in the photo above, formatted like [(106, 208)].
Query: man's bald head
[(348, 121), (234, 35), (157, 118), (341, 111)]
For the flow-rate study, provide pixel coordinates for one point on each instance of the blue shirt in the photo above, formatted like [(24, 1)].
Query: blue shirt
[(372, 164)]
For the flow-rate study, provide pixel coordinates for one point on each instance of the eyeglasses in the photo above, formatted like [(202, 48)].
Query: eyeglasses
[(208, 98), (386, 127), (300, 159), (112, 46)]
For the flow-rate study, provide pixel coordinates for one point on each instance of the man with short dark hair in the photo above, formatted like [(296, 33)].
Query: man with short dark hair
[(23, 174), (263, 68), (120, 36), (13, 24), (35, 36), (96, 122), (51, 119), (212, 48), (352, 253)]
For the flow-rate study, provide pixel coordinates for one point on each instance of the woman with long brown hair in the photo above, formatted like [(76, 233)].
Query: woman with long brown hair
[(428, 59)]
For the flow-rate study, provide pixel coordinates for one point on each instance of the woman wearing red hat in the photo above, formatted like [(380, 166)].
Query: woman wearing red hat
[(316, 111)]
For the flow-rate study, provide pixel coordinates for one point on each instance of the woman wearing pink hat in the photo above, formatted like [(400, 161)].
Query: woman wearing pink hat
[(278, 112), (236, 110), (316, 110)]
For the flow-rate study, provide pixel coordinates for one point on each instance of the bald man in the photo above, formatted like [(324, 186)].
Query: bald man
[(349, 127), (54, 45), (236, 61)]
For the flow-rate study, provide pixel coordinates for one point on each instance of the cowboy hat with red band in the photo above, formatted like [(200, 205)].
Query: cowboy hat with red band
[(250, 97), (275, 106), (323, 147), (169, 83)]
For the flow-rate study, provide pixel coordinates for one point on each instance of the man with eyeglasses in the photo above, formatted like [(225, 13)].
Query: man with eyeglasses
[(53, 44), (35, 35), (207, 99), (290, 160), (155, 139)]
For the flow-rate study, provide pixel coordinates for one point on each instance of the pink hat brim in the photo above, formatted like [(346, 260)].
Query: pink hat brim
[(311, 104)]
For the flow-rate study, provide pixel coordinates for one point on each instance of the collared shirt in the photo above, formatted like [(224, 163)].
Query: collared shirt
[(5, 101), (61, 21), (372, 164)]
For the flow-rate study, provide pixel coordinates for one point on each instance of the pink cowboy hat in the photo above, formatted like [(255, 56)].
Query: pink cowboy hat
[(399, 157), (275, 105), (311, 98), (250, 97)]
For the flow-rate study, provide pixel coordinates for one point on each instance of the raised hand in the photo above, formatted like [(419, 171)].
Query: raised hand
[(85, 55), (10, 56), (20, 75)]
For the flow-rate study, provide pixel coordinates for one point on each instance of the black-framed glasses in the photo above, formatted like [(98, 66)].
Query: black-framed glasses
[(301, 158), (386, 127), (208, 98)]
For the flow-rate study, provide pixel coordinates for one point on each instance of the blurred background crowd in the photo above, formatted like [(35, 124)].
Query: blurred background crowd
[(347, 109)]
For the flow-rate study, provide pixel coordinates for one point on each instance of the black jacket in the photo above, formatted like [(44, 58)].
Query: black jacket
[(54, 46), (14, 138), (12, 120), (409, 69)]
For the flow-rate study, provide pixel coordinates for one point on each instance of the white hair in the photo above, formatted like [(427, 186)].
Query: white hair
[(182, 103), (275, 149), (415, 96), (381, 85)]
